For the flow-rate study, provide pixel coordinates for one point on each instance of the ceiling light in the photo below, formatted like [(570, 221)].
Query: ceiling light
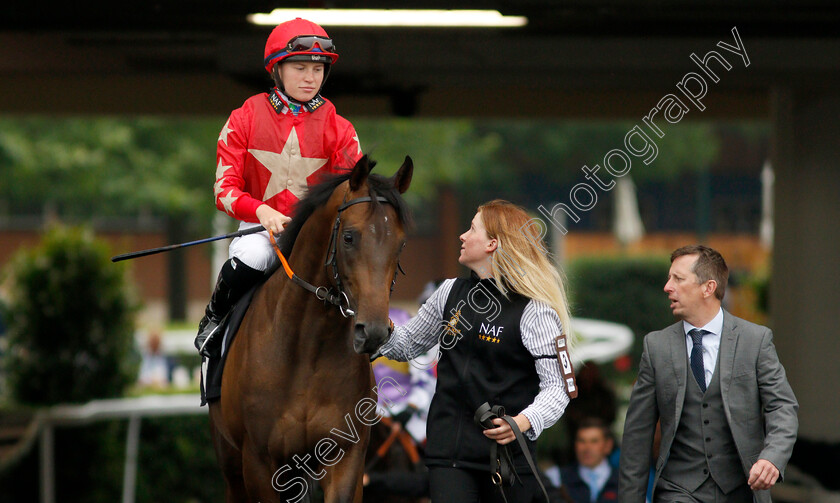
[(393, 18)]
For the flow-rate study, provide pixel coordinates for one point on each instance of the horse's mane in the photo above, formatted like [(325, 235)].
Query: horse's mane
[(319, 194)]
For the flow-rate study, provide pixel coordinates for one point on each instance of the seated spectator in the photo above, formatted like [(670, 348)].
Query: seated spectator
[(596, 398), (591, 479)]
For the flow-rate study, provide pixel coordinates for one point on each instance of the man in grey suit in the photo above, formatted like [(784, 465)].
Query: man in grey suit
[(714, 382)]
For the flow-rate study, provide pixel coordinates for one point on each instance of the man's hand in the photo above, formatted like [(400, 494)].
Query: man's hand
[(763, 475), (503, 434), (271, 219)]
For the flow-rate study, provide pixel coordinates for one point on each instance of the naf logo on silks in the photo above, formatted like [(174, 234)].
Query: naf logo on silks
[(490, 333), (280, 106)]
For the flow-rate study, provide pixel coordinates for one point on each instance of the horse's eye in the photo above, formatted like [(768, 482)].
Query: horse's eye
[(348, 237)]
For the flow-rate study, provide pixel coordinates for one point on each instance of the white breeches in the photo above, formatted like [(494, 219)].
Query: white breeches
[(254, 250)]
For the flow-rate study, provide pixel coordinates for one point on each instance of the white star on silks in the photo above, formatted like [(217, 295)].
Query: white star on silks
[(224, 134), (217, 187), (220, 170), (299, 167), (227, 202), (358, 143)]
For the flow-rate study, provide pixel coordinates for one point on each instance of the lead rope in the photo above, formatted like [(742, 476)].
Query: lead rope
[(501, 458)]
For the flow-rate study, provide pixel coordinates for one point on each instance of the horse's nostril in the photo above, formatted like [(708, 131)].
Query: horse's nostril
[(374, 332)]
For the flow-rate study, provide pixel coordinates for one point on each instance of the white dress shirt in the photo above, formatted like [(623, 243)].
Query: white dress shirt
[(596, 478), (711, 343)]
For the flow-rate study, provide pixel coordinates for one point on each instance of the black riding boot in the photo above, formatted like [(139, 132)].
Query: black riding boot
[(235, 279)]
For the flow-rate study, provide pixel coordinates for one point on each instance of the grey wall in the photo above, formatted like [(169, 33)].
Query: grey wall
[(806, 255)]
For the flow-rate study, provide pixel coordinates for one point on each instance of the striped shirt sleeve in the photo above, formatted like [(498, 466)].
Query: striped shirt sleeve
[(539, 326), (422, 332)]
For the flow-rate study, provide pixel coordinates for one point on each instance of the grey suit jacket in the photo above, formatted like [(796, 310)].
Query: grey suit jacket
[(759, 403)]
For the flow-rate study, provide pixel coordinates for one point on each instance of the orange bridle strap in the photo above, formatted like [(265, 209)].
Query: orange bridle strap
[(283, 261)]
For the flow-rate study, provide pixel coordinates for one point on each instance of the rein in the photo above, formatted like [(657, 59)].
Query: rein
[(339, 298)]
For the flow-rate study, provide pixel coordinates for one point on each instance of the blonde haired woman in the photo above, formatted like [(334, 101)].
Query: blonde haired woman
[(497, 331)]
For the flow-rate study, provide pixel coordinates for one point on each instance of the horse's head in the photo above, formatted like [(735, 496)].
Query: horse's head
[(368, 241)]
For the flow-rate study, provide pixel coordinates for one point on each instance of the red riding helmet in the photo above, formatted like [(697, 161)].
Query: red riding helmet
[(299, 40)]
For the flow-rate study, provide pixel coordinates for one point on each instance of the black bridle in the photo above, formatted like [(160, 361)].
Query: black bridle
[(332, 255), (338, 297)]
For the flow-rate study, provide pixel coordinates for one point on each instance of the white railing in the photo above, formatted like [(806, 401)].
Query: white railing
[(599, 342), (133, 409)]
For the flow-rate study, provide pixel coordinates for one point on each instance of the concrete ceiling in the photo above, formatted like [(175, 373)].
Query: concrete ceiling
[(578, 58)]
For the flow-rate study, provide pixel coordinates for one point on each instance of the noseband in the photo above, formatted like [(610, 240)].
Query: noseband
[(337, 298)]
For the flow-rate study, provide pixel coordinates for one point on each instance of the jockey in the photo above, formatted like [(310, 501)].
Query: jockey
[(269, 152)]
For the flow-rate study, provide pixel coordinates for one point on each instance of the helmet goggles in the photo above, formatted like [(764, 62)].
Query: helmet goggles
[(303, 43)]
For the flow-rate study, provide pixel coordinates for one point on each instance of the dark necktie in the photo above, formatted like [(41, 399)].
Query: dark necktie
[(697, 367)]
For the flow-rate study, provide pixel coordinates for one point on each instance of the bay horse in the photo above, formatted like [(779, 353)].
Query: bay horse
[(297, 387)]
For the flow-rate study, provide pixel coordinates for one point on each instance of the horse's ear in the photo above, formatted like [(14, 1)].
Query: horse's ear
[(402, 179), (360, 173)]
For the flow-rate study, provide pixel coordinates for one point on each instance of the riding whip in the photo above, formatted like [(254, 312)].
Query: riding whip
[(143, 253)]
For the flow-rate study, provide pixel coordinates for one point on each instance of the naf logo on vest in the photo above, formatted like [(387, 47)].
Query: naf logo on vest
[(490, 333)]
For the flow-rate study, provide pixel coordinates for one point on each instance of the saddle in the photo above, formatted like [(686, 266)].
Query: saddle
[(212, 368)]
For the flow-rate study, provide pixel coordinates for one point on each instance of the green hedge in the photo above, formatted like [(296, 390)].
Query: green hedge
[(176, 464), (71, 339), (70, 327), (624, 290)]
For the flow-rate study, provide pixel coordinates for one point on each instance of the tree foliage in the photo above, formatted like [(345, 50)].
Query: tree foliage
[(80, 168), (71, 322), (445, 152), (548, 155), (84, 167)]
